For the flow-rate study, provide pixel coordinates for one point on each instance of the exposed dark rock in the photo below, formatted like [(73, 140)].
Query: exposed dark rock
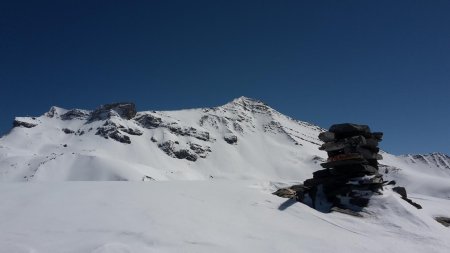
[(18, 123), (110, 130), (171, 149), (123, 110), (52, 112), (131, 131), (326, 136), (75, 114), (232, 139), (68, 131), (147, 178), (347, 130), (285, 193), (189, 131), (401, 191), (404, 195), (153, 139), (443, 220), (116, 135), (199, 150), (148, 121)]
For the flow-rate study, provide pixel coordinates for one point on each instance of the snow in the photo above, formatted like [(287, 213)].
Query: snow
[(90, 196), (202, 216)]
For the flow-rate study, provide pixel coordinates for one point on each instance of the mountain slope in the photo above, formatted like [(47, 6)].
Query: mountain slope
[(212, 172), (244, 139)]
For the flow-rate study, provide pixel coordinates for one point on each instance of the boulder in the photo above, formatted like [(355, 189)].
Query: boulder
[(232, 139)]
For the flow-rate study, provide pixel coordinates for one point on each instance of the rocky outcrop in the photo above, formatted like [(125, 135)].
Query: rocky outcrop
[(123, 110), (148, 121), (130, 131), (75, 114), (18, 123), (111, 130), (201, 151), (172, 149), (189, 131)]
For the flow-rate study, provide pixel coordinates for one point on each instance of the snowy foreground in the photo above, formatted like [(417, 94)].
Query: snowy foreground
[(205, 216)]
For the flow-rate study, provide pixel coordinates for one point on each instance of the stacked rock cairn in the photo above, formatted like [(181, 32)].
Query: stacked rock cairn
[(351, 175)]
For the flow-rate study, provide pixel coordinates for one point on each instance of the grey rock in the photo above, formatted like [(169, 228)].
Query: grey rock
[(75, 114), (131, 131), (169, 148), (18, 123), (347, 130), (231, 139), (443, 220), (111, 130), (123, 110), (401, 191), (67, 131), (149, 121), (326, 136)]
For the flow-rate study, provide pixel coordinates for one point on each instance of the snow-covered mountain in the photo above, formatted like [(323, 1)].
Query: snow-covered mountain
[(212, 172), (243, 139)]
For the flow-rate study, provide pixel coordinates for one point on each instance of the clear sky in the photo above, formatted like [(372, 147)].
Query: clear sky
[(381, 63)]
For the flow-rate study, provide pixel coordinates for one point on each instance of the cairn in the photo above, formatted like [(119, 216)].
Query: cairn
[(351, 173)]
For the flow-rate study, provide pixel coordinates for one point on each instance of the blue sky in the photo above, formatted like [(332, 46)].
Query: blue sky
[(381, 63)]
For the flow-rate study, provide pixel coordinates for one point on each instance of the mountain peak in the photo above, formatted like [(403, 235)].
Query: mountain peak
[(246, 100), (247, 104)]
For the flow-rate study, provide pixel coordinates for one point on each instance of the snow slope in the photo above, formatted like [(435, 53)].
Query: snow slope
[(208, 174), (202, 216)]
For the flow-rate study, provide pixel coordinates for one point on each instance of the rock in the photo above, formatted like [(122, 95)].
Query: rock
[(111, 130), (401, 191), (347, 130), (123, 110), (285, 193), (131, 131), (75, 114), (149, 121), (171, 149), (403, 194), (360, 202), (67, 131), (232, 139), (443, 220), (327, 137), (199, 150), (18, 123), (189, 131), (116, 135)]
